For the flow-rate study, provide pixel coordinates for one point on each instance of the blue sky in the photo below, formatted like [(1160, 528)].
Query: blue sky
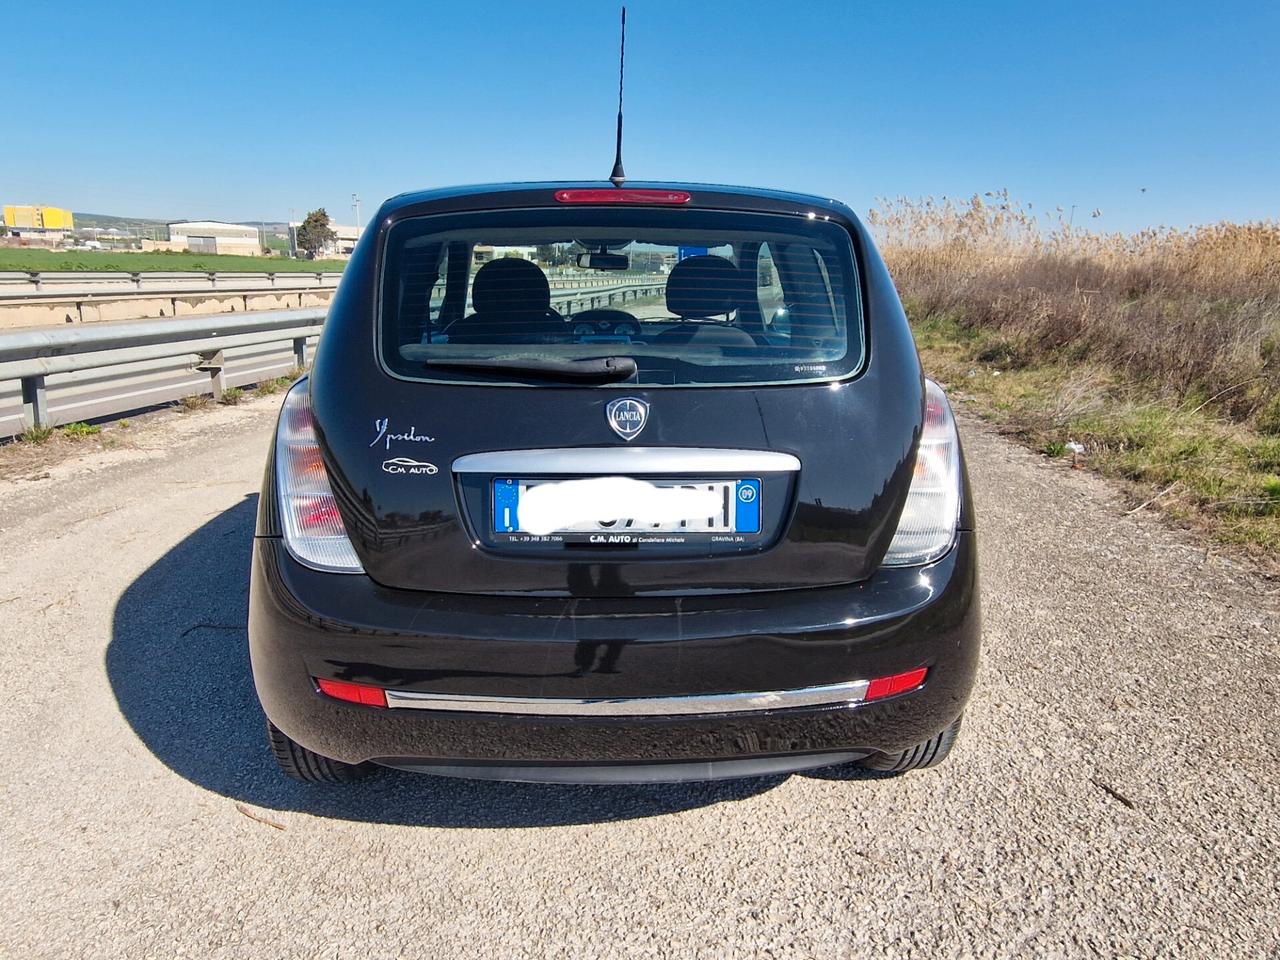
[(247, 111)]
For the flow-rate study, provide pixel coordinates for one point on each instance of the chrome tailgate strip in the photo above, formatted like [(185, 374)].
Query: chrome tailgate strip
[(627, 461)]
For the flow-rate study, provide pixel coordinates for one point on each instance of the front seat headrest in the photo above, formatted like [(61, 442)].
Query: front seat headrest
[(510, 286), (704, 286)]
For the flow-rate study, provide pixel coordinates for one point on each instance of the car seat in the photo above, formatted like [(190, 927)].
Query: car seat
[(705, 288), (512, 302)]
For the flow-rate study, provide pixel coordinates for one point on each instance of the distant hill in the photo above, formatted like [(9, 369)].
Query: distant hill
[(107, 222)]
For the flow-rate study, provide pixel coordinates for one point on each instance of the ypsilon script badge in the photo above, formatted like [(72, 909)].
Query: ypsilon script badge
[(627, 416)]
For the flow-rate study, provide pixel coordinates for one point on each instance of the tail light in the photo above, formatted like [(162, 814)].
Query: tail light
[(928, 523), (313, 529)]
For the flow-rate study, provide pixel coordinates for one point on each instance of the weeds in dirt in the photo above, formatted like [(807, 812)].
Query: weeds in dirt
[(35, 435), (77, 430), (197, 401), (1159, 352), (231, 396), (1211, 472), (268, 387), (36, 447), (277, 384)]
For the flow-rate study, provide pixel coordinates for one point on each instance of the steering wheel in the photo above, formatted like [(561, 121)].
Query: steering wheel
[(607, 321)]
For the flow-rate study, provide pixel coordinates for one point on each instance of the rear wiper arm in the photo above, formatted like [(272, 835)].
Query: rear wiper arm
[(594, 369)]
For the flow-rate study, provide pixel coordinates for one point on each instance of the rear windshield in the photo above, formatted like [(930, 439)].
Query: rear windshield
[(653, 296)]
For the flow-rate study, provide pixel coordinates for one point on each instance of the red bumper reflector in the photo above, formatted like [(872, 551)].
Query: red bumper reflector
[(353, 692), (882, 687), (670, 198)]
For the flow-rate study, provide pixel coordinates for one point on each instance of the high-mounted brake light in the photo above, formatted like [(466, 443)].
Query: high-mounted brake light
[(313, 528), (928, 523), (353, 692), (669, 198)]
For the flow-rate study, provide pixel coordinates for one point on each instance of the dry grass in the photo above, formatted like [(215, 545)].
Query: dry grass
[(194, 402), (1192, 314), (1158, 351)]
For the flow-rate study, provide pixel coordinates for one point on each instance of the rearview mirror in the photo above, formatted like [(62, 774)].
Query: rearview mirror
[(604, 261)]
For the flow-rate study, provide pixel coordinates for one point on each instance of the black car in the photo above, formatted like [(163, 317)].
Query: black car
[(614, 484)]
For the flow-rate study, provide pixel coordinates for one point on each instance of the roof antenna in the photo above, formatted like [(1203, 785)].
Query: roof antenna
[(619, 176)]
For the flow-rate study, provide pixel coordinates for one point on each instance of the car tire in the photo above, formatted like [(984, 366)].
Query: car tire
[(308, 766), (928, 754)]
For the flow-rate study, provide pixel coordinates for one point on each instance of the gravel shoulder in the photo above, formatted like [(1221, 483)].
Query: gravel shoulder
[(1114, 792)]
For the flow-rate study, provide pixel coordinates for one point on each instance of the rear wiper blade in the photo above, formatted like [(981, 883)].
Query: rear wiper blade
[(595, 369)]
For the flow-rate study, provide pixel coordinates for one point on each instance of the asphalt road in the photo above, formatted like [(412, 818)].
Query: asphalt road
[(1114, 792)]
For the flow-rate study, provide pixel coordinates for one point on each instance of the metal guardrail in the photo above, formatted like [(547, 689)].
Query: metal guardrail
[(27, 299), (32, 355), (50, 284), (581, 282), (606, 295), (17, 284)]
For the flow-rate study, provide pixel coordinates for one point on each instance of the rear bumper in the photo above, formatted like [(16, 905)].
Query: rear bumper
[(500, 650)]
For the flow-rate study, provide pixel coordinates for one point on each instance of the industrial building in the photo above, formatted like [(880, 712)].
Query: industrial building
[(344, 239), (37, 223), (213, 236), (483, 253)]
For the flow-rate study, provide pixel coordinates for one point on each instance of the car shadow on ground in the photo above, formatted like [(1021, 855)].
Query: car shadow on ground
[(178, 664)]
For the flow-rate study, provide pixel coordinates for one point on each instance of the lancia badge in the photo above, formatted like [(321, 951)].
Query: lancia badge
[(627, 416)]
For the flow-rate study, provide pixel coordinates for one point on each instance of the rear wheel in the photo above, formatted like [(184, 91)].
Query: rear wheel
[(928, 754), (308, 766)]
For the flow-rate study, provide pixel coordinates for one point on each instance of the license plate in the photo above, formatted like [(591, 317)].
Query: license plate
[(731, 507)]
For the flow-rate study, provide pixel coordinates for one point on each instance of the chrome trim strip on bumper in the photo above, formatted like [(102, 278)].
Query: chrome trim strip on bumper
[(712, 703), (627, 460)]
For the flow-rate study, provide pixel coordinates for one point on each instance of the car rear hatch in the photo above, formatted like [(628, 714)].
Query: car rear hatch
[(699, 359)]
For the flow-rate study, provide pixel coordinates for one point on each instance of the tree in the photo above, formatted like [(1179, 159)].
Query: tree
[(314, 233), (555, 254)]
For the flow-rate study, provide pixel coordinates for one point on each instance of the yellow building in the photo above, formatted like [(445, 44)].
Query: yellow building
[(38, 218)]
